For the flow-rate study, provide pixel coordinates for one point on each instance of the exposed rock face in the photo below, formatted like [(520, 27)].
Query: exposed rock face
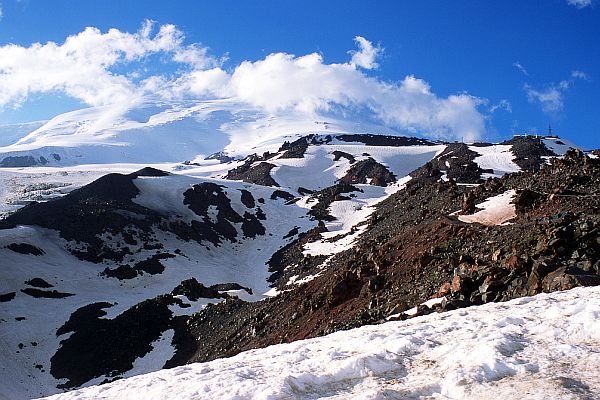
[(85, 354), (384, 140), (18, 161), (368, 171), (194, 290), (295, 149), (91, 216), (48, 294), (221, 157), (340, 154), (25, 248), (528, 152), (325, 197), (254, 170), (38, 283)]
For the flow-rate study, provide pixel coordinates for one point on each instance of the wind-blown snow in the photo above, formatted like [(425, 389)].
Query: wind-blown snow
[(496, 210), (538, 347)]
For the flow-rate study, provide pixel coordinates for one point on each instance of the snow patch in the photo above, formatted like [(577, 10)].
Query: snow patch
[(496, 210), (498, 158)]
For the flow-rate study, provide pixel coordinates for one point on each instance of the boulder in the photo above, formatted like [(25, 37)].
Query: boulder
[(566, 278)]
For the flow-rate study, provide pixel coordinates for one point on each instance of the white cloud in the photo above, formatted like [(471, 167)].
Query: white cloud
[(81, 66), (551, 99), (579, 74), (1, 13), (501, 105), (367, 55), (521, 68), (85, 67), (306, 84), (580, 3)]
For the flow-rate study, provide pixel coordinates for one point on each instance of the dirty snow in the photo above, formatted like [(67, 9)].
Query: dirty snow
[(538, 347), (496, 210)]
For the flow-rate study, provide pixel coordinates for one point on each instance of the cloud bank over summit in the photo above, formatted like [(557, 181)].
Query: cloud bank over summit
[(115, 67)]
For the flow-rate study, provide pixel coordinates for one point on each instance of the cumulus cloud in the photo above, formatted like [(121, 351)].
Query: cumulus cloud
[(551, 98), (580, 3), (85, 67), (367, 55), (81, 66), (282, 82)]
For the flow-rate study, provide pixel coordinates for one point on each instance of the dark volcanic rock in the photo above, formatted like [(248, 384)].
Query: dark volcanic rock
[(254, 170), (368, 171), (384, 140), (251, 226), (194, 290), (412, 251), (224, 287), (325, 197), (153, 265), (247, 199), (566, 278), (122, 272), (149, 171), (281, 194), (199, 199), (292, 253), (221, 157), (25, 248), (39, 283), (528, 151), (457, 161), (47, 294), (296, 149), (6, 297), (102, 206), (340, 154), (304, 191), (108, 347)]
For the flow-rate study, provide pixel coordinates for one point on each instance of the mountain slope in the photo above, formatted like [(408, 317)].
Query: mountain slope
[(120, 273)]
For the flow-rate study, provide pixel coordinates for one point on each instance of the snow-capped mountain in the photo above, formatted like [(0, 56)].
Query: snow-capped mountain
[(161, 255), (156, 132)]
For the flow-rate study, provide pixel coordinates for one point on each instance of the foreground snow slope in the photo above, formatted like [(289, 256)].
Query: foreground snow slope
[(539, 347)]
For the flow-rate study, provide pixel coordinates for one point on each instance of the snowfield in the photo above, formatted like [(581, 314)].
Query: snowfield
[(542, 347)]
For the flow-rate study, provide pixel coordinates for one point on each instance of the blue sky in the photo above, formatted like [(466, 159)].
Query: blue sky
[(525, 64)]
